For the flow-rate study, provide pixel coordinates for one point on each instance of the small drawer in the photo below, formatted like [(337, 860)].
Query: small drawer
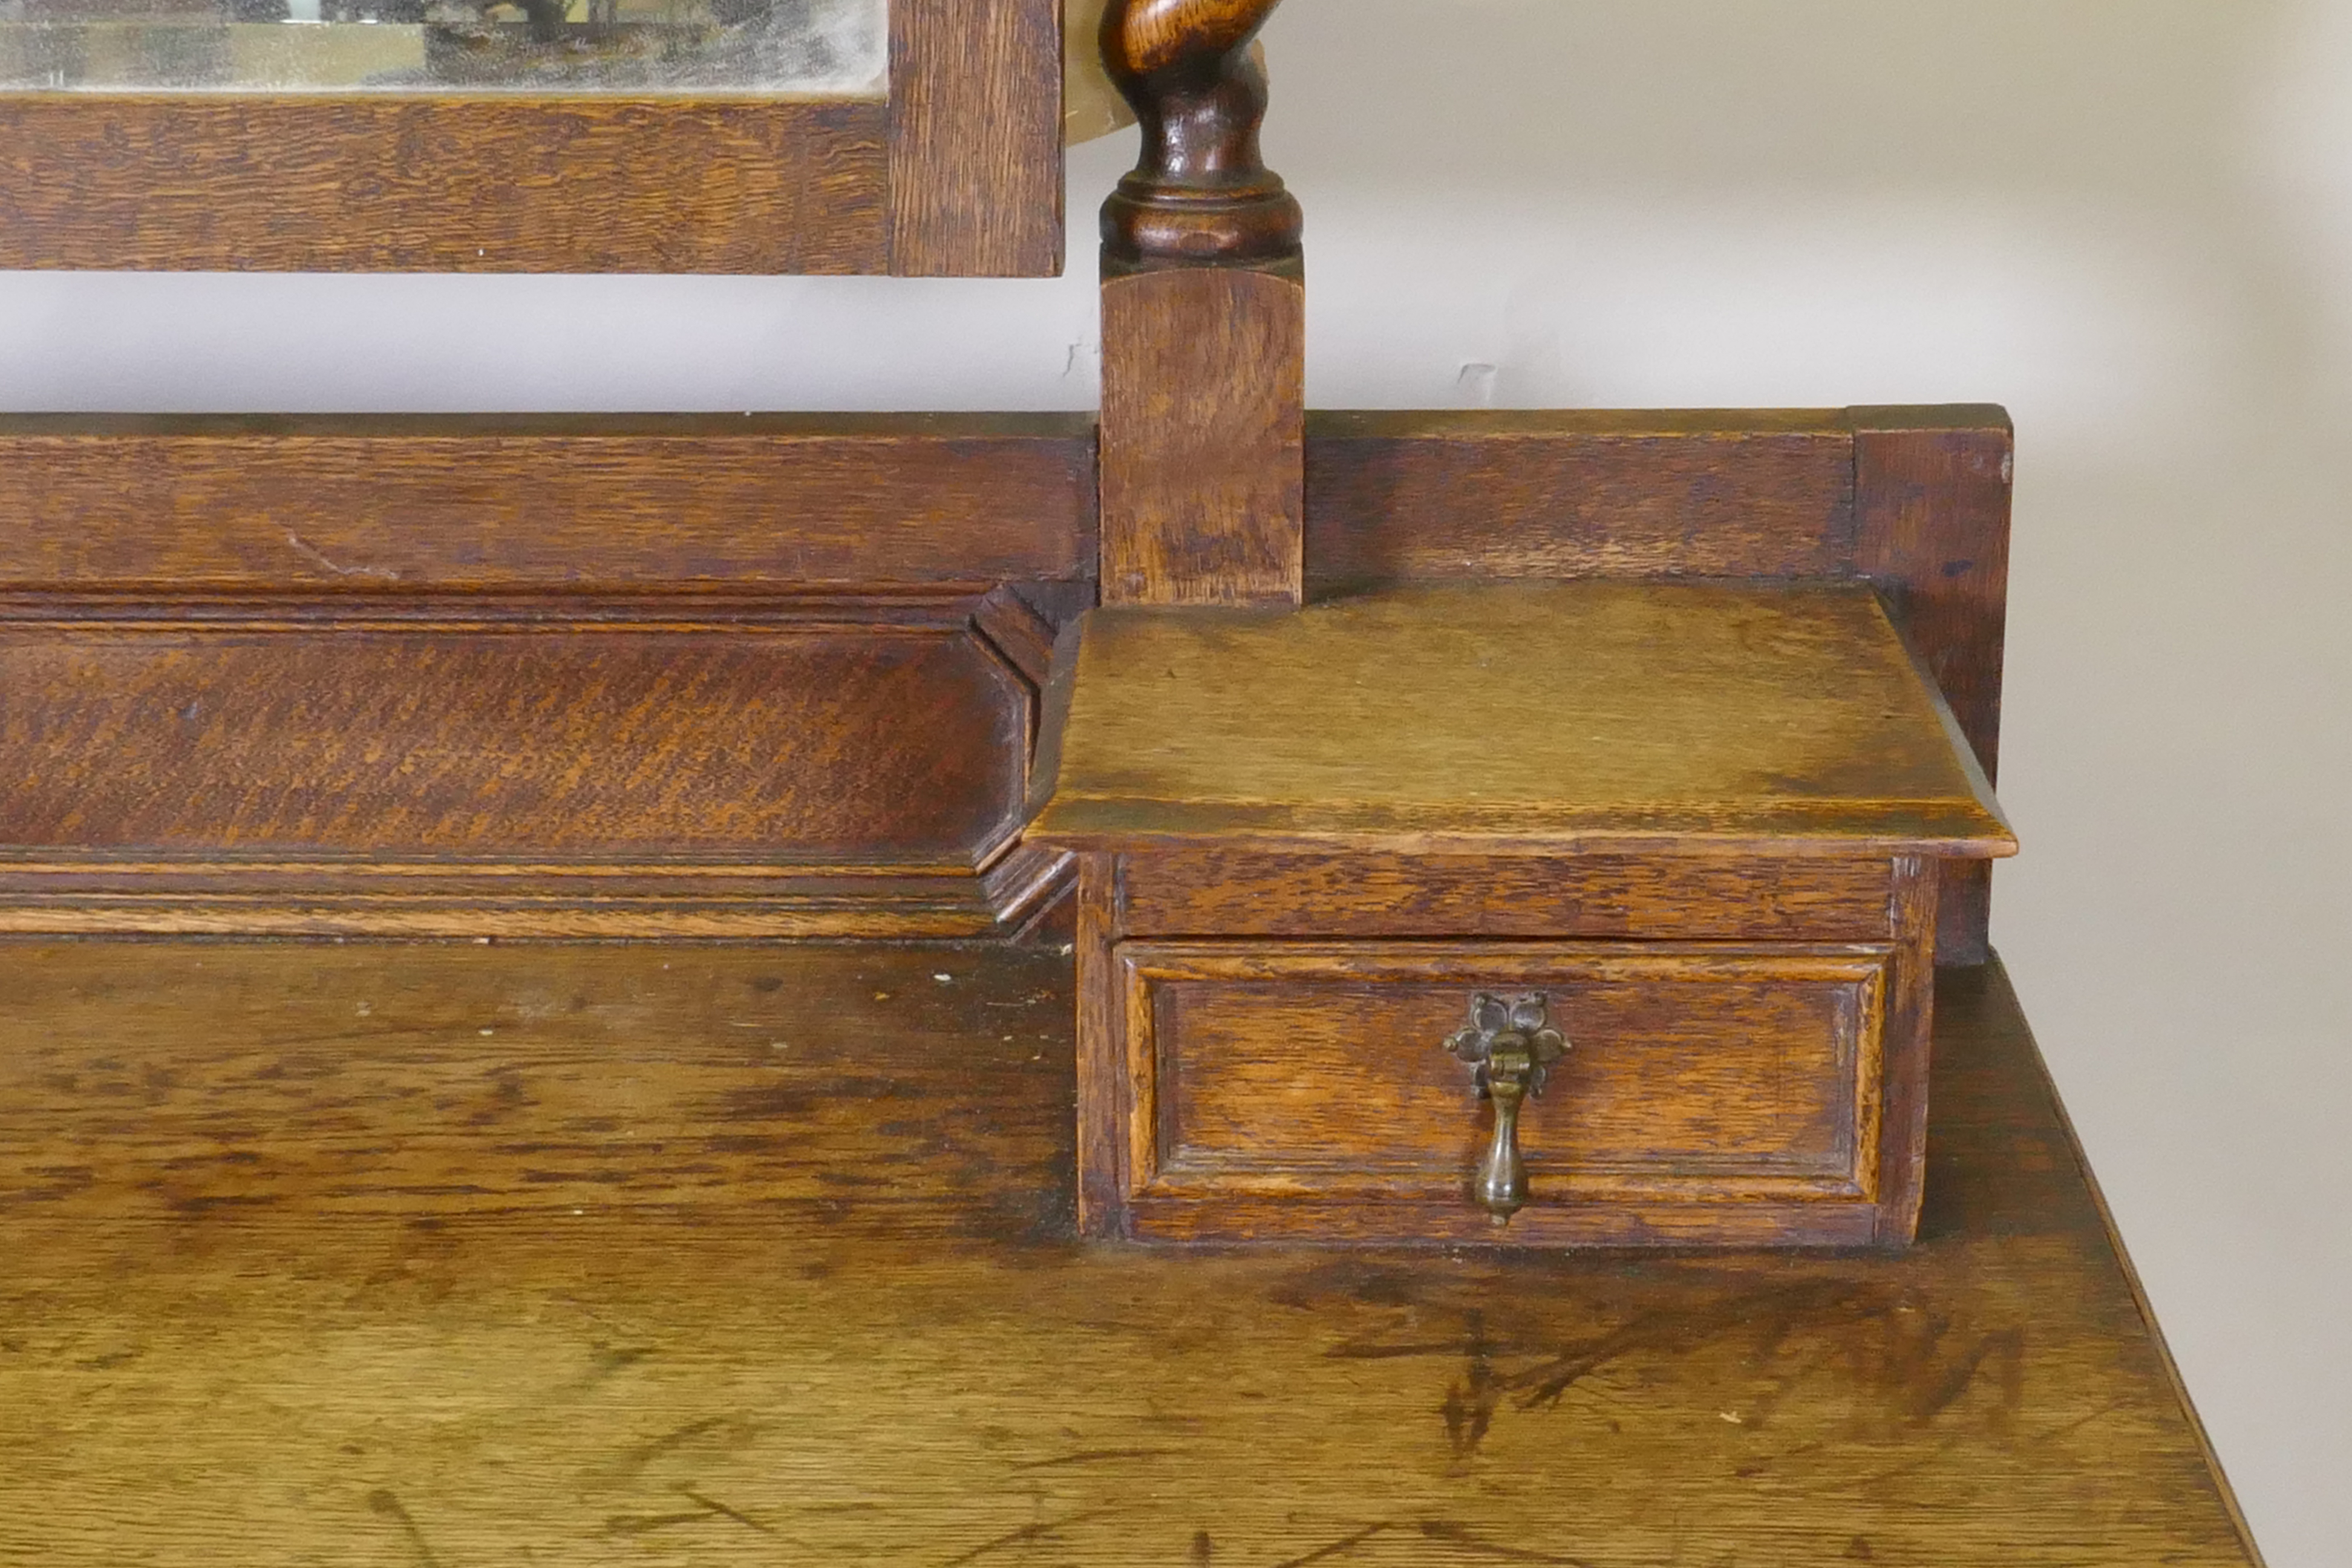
[(1701, 1094)]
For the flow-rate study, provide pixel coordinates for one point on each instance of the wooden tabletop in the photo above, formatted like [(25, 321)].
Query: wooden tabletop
[(443, 1256), (1593, 714)]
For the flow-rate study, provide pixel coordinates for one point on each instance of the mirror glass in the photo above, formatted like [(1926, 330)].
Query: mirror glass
[(831, 49)]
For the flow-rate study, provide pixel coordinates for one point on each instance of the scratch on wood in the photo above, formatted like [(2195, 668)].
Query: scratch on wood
[(1460, 1538), (1346, 1543), (1469, 1407), (723, 1512), (318, 558), (1918, 1362), (1028, 1532), (608, 1364), (2064, 1429), (1096, 1456), (632, 1460), (384, 1502), (2005, 1348), (706, 1509), (1872, 1482)]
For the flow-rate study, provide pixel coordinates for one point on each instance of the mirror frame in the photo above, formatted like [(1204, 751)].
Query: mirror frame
[(957, 172)]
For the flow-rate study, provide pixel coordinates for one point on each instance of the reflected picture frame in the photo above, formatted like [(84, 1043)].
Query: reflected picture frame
[(885, 137)]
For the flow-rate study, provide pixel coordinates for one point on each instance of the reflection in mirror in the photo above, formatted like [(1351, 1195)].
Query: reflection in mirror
[(834, 48)]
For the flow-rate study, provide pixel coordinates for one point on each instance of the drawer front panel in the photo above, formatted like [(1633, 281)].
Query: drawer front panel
[(1317, 1075), (1665, 898)]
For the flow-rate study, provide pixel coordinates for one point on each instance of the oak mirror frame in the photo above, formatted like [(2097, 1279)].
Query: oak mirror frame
[(907, 137)]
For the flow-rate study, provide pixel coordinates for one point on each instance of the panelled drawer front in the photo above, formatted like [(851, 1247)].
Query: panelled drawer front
[(1314, 1076)]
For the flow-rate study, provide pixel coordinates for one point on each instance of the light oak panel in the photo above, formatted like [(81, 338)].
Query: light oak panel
[(1497, 718)]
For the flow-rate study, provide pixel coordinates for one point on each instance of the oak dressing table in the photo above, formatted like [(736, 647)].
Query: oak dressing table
[(531, 1027)]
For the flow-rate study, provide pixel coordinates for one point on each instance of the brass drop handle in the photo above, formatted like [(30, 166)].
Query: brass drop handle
[(1510, 1048)]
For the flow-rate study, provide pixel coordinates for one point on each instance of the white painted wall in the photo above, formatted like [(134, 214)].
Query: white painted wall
[(2129, 220)]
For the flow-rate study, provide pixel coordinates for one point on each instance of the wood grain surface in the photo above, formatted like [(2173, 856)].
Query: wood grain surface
[(1203, 398), (1594, 717), (259, 1080), (976, 138), (804, 1291), (455, 740), (1400, 497), (1332, 1122), (1236, 892), (285, 764), (1283, 1072), (599, 504), (578, 502), (386, 182), (531, 676)]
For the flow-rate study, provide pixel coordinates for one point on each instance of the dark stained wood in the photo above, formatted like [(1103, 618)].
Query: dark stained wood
[(1428, 496), (820, 1301), (385, 183), (1199, 194), (1105, 1107), (426, 1079), (1710, 1094), (1931, 504), (976, 138), (579, 503), (1204, 322), (1029, 890), (1333, 1114), (464, 735), (475, 767), (1020, 633), (1239, 893), (1903, 1142), (243, 708), (1204, 386)]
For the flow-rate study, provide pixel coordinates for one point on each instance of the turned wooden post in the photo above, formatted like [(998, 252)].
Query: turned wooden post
[(1203, 299)]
